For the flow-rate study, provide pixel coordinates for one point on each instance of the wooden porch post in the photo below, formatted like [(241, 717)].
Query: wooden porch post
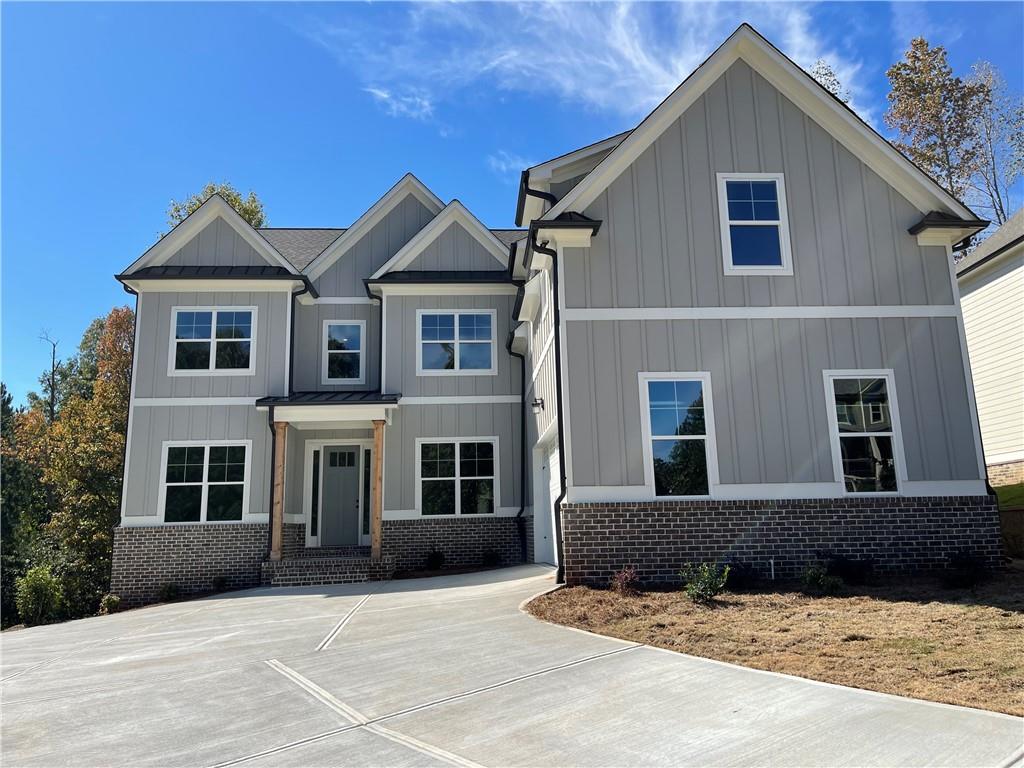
[(376, 490), (277, 503)]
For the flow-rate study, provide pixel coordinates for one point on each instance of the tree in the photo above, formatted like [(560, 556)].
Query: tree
[(997, 126), (826, 76), (249, 208), (932, 109)]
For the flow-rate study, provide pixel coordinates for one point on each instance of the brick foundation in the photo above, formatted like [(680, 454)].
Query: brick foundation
[(1007, 473), (899, 534), (464, 540), (293, 539), (195, 558)]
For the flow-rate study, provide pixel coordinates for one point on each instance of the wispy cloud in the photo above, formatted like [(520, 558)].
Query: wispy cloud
[(507, 165), (409, 104)]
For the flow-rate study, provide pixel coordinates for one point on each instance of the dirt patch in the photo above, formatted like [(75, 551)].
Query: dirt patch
[(912, 638)]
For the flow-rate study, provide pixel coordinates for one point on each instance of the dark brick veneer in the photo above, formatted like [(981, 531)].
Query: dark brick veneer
[(900, 534), (462, 539)]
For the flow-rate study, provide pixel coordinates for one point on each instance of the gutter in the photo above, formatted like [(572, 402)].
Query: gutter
[(525, 191), (127, 421), (520, 520), (988, 257), (291, 337)]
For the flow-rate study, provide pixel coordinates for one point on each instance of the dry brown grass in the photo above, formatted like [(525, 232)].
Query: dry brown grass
[(912, 638)]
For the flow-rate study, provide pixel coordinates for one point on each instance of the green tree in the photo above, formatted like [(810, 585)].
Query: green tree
[(826, 76), (249, 208)]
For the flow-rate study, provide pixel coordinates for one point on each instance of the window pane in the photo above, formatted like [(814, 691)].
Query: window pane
[(314, 512), (764, 190), (868, 465), (437, 460), (475, 327), (475, 356), (862, 405), (738, 190), (227, 464), (766, 211), (224, 502), (182, 503), (438, 497), (477, 497), (755, 245), (740, 210), (344, 337), (439, 357), (680, 468), (677, 408), (193, 325), (367, 501), (185, 465), (192, 356), (232, 354), (476, 460), (438, 327), (343, 365), (234, 325)]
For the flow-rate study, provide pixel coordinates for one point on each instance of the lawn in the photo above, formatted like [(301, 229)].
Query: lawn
[(911, 638), (1010, 496)]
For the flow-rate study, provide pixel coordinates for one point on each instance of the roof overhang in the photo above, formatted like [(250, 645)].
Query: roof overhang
[(330, 410), (531, 299), (938, 228), (519, 339), (572, 230), (448, 287), (205, 284)]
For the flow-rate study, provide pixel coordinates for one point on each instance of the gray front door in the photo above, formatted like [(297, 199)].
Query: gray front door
[(340, 502)]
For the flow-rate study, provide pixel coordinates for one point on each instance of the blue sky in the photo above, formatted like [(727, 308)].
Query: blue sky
[(111, 110)]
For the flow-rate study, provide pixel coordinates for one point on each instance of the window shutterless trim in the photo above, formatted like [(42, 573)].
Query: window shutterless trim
[(785, 251), (492, 371), (211, 371), (207, 444), (457, 479), (325, 353)]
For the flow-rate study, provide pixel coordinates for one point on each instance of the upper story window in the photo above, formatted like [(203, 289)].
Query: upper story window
[(455, 343), (217, 341), (755, 227), (204, 483), (343, 361)]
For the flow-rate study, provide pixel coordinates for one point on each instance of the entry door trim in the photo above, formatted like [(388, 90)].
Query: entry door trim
[(307, 481)]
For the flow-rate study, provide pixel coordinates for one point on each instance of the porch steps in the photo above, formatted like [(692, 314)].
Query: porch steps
[(316, 571), (325, 553)]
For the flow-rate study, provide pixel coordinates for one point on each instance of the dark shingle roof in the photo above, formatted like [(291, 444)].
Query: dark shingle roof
[(509, 236), (300, 245), (994, 244), (361, 397), (171, 270)]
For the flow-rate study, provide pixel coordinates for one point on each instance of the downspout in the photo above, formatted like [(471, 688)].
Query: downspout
[(307, 286), (520, 520), (131, 377)]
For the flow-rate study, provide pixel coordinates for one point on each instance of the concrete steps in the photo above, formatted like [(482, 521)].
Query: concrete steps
[(314, 571)]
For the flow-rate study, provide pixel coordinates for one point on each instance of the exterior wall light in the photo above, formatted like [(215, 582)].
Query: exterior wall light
[(538, 405)]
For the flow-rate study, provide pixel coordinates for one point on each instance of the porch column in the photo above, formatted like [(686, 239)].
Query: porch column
[(277, 503), (376, 492)]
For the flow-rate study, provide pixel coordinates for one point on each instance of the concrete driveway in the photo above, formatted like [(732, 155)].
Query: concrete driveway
[(433, 672)]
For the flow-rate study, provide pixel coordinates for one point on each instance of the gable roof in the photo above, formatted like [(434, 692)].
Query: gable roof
[(1010, 234), (453, 213), (407, 185), (214, 207), (800, 88), (300, 245)]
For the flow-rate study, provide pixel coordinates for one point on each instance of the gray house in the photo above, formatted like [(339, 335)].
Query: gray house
[(733, 332)]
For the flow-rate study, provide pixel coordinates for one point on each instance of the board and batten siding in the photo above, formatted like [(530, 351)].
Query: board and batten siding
[(771, 416), (659, 244), (993, 306), (455, 249), (295, 489), (540, 373), (217, 244), (310, 349)]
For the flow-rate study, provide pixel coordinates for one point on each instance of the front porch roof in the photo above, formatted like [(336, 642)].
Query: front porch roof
[(314, 409)]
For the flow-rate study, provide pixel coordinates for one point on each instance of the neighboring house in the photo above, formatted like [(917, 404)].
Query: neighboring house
[(992, 294), (730, 333)]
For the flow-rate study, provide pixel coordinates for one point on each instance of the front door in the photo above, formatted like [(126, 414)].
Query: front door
[(339, 506)]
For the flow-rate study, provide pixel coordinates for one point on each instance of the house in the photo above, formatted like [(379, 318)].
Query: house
[(733, 333), (991, 282)]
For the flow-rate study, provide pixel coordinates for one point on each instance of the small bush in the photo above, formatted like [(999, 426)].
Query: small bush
[(964, 570), (169, 592), (741, 576), (818, 581), (848, 569), (704, 581), (435, 560), (625, 581), (110, 603), (38, 596), (491, 558)]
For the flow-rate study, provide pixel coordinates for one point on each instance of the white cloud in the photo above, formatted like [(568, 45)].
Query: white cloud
[(505, 163), (409, 104)]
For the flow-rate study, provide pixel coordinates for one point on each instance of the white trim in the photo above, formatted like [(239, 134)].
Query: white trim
[(202, 285), (1005, 458), (547, 170), (407, 185), (810, 312), (458, 441), (306, 518), (453, 213), (211, 371), (561, 393), (944, 488), (132, 402), (330, 416), (207, 444), (782, 223), (445, 289), (325, 354), (460, 400), (710, 445), (342, 300), (421, 371), (384, 344), (143, 402), (539, 359), (829, 376), (589, 494)]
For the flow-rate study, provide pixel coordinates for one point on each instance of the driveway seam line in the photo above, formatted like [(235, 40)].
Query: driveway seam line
[(420, 746), (341, 624), (320, 694)]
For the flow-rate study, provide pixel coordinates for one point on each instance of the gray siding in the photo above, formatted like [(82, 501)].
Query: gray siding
[(455, 248), (217, 244), (152, 425), (345, 277), (660, 243), (481, 420), (309, 344), (295, 458), (771, 419)]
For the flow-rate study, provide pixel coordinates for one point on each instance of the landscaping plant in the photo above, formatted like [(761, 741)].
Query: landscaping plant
[(704, 581), (110, 603), (38, 596), (817, 581), (625, 580)]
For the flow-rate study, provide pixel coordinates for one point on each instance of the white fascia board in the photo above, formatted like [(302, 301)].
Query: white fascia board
[(564, 166), (407, 185), (445, 289), (201, 285), (334, 414), (531, 298), (192, 224), (796, 85), (453, 213)]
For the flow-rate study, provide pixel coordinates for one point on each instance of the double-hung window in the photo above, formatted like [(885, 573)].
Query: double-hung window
[(678, 430), (457, 477), (755, 227), (454, 343), (205, 483), (343, 361), (866, 445), (212, 341)]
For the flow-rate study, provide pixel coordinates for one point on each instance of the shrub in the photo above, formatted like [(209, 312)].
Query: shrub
[(168, 592), (491, 558), (818, 581), (435, 560), (625, 581), (704, 581), (39, 597), (964, 570), (848, 569), (110, 604)]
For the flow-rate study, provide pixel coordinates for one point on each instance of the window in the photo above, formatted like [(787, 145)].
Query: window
[(343, 352), (865, 439), (212, 341), (755, 229), (205, 483), (456, 343), (456, 477), (678, 433)]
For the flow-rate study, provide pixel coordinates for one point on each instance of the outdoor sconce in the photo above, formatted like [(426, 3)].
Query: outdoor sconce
[(538, 405)]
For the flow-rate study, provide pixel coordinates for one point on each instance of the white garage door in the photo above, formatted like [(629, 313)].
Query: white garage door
[(547, 488)]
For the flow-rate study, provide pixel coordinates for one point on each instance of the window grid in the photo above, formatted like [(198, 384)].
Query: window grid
[(754, 226), (208, 340), (865, 433), (343, 351), (456, 343), (463, 465), (204, 483), (675, 417)]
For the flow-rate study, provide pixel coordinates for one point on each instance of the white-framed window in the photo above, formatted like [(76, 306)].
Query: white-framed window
[(455, 342), (678, 425), (754, 224), (867, 446), (343, 347), (205, 481), (212, 341), (457, 476)]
